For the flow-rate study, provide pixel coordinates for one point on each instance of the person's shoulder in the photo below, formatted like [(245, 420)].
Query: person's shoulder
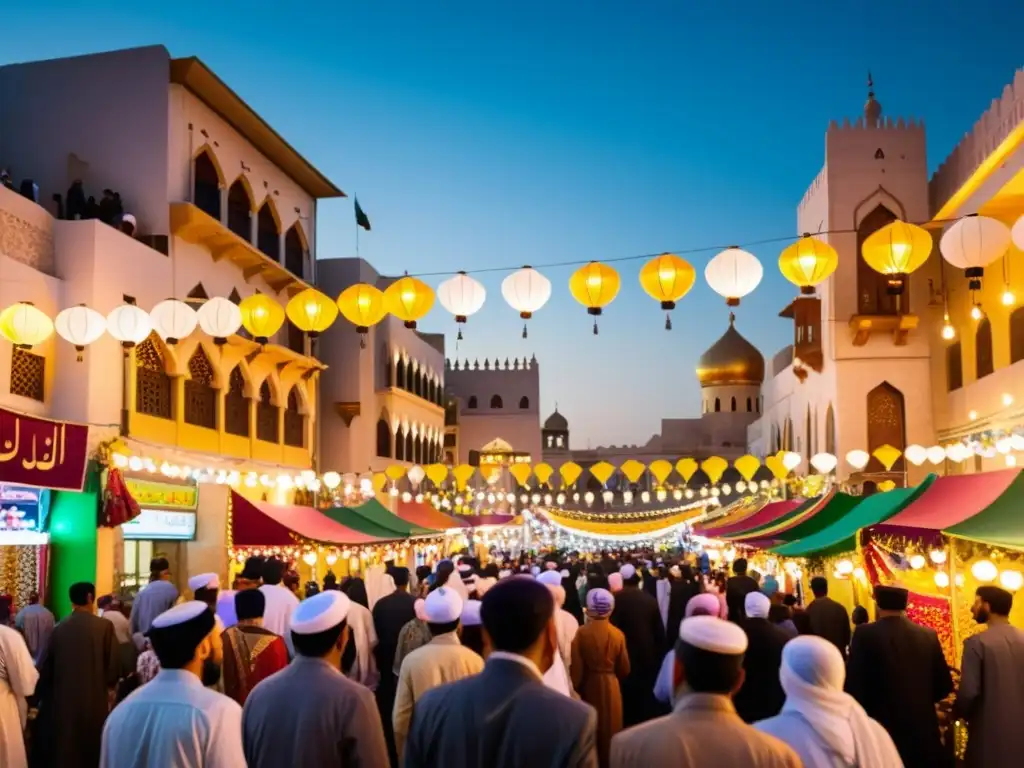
[(216, 704), (642, 734), (770, 742), (567, 709)]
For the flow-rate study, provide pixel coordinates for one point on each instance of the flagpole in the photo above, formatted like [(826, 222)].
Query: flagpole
[(357, 236)]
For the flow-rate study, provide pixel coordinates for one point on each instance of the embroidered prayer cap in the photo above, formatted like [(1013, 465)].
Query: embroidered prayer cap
[(181, 628), (756, 605), (703, 604), (190, 610), (713, 635), (471, 614), (320, 613), (550, 578), (600, 602), (204, 581), (443, 606)]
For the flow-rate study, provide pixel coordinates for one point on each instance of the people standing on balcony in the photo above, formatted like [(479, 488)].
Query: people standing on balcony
[(155, 598), (74, 201)]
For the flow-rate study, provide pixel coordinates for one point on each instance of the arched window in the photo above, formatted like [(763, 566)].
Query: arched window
[(1017, 335), (408, 446), (750, 404), (268, 235), (206, 182), (873, 296), (886, 425), (830, 430), (240, 210), (294, 252), (718, 405), (418, 382), (383, 439), (496, 402), (449, 458), (418, 444), (733, 405), (524, 402), (153, 386), (471, 403), (431, 386), (757, 404), (400, 444), (294, 421), (983, 349), (954, 367), (200, 396), (236, 405), (389, 371), (787, 435), (400, 373), (266, 416)]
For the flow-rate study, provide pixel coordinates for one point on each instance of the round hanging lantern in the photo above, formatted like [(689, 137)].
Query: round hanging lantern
[(24, 325), (173, 320), (526, 290), (667, 278), (129, 324), (974, 242), (462, 296), (312, 312), (1017, 233), (219, 318), (807, 262), (595, 286), (733, 273), (896, 250), (409, 299), (80, 326), (363, 306), (262, 317)]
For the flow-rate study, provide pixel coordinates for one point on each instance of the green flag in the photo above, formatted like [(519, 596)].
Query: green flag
[(362, 220)]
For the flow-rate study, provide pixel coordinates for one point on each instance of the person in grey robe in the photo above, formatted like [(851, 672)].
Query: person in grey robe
[(991, 695), (36, 623), (309, 713), (155, 598)]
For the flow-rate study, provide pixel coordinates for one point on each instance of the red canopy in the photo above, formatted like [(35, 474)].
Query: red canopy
[(769, 512), (427, 516), (261, 524)]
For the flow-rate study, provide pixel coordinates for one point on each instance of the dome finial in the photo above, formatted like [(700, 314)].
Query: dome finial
[(732, 318), (872, 109)]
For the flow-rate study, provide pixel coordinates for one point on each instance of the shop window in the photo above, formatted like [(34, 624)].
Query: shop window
[(135, 573), (954, 367), (983, 349), (236, 405), (524, 402), (153, 386), (268, 234), (294, 422), (1017, 335), (496, 402), (206, 194), (240, 210), (266, 416), (200, 395), (28, 375), (383, 439)]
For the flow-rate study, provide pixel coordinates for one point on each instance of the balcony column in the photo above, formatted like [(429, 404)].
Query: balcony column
[(223, 204), (253, 227)]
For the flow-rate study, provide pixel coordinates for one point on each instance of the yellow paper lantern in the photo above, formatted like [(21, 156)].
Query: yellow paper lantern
[(714, 467), (521, 472), (807, 262), (363, 306), (409, 300), (262, 317), (777, 466), (570, 472), (602, 471), (687, 468), (887, 454), (896, 250), (379, 481), (395, 472), (633, 470), (437, 473), (886, 485), (661, 469), (24, 325), (595, 286), (747, 466), (543, 473), (462, 474), (312, 312), (667, 278)]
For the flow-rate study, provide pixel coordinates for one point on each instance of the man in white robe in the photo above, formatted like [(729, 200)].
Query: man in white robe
[(557, 675), (18, 678), (281, 603)]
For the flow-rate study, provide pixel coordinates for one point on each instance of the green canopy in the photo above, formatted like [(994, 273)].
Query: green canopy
[(373, 517), (999, 523), (841, 534), (356, 522), (835, 509)]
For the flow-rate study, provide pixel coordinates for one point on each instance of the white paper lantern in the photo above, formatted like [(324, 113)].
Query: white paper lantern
[(1011, 579), (332, 480), (80, 326), (844, 567), (936, 454), (733, 274), (916, 454), (173, 320), (791, 460), (941, 579), (984, 571), (957, 452), (462, 296), (129, 324), (858, 459), (219, 318), (416, 474), (974, 242), (824, 462), (1017, 233), (526, 290), (938, 556), (917, 562)]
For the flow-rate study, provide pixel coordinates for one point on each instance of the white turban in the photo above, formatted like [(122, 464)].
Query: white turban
[(756, 605)]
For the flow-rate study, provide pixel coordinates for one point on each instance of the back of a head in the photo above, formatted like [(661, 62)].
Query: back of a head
[(515, 613), (318, 623), (819, 586), (253, 568), (177, 632), (157, 567), (422, 572), (105, 602), (812, 661), (444, 570), (710, 651), (999, 600), (82, 593), (789, 600), (739, 566), (250, 604), (859, 615), (891, 598), (273, 571), (400, 576)]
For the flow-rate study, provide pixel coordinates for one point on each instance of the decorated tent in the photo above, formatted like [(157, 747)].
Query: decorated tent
[(261, 524), (789, 517), (769, 513), (733, 514), (837, 506), (375, 519), (427, 516), (999, 523), (481, 521)]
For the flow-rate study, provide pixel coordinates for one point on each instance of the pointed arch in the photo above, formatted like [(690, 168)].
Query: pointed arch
[(524, 403), (400, 373), (294, 418), (400, 443), (984, 364), (268, 229), (389, 367), (409, 445), (886, 424), (830, 430), (207, 181), (384, 437), (471, 403), (153, 385), (295, 250), (237, 403), (496, 403), (750, 405), (266, 415), (808, 435), (201, 391), (873, 296), (240, 208)]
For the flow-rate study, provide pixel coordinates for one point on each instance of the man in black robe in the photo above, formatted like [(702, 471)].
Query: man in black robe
[(761, 696), (681, 591), (636, 614), (737, 588), (827, 618), (390, 614)]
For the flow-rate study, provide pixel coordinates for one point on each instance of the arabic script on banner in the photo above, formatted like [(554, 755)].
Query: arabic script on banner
[(42, 453)]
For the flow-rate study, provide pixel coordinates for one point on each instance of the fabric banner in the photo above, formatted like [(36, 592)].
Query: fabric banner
[(42, 453)]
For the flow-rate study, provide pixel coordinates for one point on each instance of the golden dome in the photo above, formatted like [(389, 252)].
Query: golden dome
[(731, 360)]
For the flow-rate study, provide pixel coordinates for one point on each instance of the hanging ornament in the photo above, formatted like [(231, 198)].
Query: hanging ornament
[(667, 279), (1017, 233), (808, 262), (972, 243), (173, 320), (896, 250), (733, 274), (526, 291), (409, 299), (24, 325), (595, 286), (462, 296), (311, 312), (262, 317), (80, 326), (363, 306), (219, 318), (129, 324)]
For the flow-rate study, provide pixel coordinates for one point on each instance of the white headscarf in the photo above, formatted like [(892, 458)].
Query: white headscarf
[(812, 676)]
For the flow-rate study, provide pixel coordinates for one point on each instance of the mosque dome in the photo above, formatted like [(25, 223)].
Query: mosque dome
[(556, 422), (732, 360)]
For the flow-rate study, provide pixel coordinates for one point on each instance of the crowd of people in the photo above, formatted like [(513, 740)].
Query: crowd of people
[(76, 204), (556, 661)]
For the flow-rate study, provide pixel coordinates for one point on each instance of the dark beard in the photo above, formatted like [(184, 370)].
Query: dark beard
[(211, 673), (981, 616)]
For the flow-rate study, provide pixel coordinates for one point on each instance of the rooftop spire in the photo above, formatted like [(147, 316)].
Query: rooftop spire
[(872, 109)]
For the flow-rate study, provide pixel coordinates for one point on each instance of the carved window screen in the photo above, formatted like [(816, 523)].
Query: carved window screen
[(266, 416), (236, 405), (28, 375), (153, 387), (200, 394), (886, 424)]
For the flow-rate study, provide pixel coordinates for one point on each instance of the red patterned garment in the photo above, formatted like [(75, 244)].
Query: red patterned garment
[(251, 654)]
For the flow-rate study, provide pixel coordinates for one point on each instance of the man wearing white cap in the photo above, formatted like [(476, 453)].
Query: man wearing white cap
[(174, 720), (638, 617), (443, 660), (309, 713), (206, 588), (567, 627), (761, 696), (704, 728)]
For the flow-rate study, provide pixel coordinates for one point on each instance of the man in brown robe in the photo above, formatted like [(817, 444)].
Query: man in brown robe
[(75, 681), (251, 652)]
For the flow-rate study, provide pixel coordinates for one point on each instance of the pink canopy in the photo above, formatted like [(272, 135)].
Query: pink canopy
[(260, 524), (427, 516), (769, 512)]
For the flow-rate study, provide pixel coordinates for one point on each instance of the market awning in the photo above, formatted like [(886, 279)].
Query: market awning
[(480, 521), (767, 514), (737, 512), (427, 516), (374, 518), (789, 517), (261, 524), (999, 523), (836, 508), (841, 534)]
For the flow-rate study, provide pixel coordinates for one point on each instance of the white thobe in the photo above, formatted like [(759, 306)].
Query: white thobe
[(174, 722), (18, 678), (360, 623), (122, 628), (277, 615)]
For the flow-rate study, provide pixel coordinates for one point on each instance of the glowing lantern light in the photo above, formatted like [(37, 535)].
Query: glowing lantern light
[(824, 462), (791, 460), (595, 286), (937, 556), (733, 273), (974, 242), (311, 312), (462, 296), (526, 291), (667, 279), (807, 262), (984, 571), (80, 326), (173, 320), (916, 454), (129, 324), (1011, 579), (416, 474), (363, 306), (845, 567), (936, 454), (958, 452), (858, 459), (409, 300), (219, 318), (917, 562), (262, 317), (331, 479), (24, 325), (941, 579), (896, 250), (309, 558)]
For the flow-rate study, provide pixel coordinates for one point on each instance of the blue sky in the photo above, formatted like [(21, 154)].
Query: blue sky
[(487, 134)]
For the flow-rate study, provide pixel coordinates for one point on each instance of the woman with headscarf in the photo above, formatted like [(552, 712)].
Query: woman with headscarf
[(824, 725), (357, 660), (599, 663), (704, 604)]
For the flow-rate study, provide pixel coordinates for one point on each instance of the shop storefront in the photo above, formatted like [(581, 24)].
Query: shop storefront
[(24, 542), (166, 523)]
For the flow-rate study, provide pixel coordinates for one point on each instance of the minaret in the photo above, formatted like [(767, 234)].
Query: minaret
[(872, 109)]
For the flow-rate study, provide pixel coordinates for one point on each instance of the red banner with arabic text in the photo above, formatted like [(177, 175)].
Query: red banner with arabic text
[(42, 453)]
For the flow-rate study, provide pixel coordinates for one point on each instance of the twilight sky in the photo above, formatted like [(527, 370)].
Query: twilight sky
[(485, 134)]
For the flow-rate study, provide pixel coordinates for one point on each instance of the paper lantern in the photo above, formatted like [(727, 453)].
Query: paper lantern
[(941, 579), (733, 273), (331, 480), (984, 571), (917, 562), (409, 300), (938, 556), (916, 454), (666, 279), (936, 454), (526, 290), (595, 286), (416, 474), (791, 460), (129, 324), (80, 326), (714, 467), (807, 262), (887, 455), (896, 250), (974, 242), (824, 462), (311, 312), (1017, 233), (262, 317), (1011, 579), (173, 320), (858, 459), (219, 318), (363, 306), (844, 567), (747, 466), (24, 325), (462, 296), (958, 452)]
